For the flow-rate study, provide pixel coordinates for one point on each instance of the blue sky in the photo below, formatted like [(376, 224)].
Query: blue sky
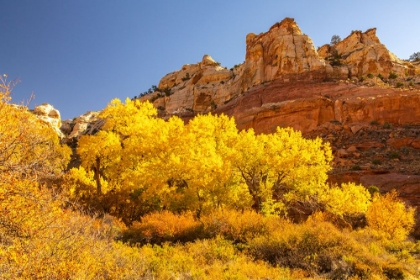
[(79, 54)]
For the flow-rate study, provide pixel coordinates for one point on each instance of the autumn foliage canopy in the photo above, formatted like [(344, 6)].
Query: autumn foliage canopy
[(161, 199)]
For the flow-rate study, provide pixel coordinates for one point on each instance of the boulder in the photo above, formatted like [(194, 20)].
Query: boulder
[(88, 123), (50, 115)]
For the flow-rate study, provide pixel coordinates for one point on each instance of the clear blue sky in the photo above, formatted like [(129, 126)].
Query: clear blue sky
[(79, 54)]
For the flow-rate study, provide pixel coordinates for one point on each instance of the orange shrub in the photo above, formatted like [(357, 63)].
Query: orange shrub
[(238, 226)]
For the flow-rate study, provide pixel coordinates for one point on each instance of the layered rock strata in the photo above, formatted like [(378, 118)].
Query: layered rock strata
[(283, 54)]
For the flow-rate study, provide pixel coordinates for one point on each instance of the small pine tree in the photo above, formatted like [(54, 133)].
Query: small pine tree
[(415, 56), (335, 39)]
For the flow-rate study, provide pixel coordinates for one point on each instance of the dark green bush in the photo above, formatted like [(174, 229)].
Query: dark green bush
[(386, 125), (167, 91), (376, 162), (373, 189), (393, 155), (392, 75), (187, 77), (415, 56), (400, 85)]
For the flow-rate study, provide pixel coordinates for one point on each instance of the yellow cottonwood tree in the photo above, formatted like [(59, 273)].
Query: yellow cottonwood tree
[(389, 216), (101, 153), (206, 177), (348, 199), (179, 167), (39, 237), (282, 166), (206, 164), (29, 148)]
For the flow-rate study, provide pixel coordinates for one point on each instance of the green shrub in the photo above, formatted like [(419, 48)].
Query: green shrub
[(167, 91), (393, 155), (372, 190), (415, 56), (156, 97), (376, 162), (355, 167), (386, 125), (213, 105), (187, 77), (370, 75), (392, 75), (405, 150), (400, 85), (380, 77)]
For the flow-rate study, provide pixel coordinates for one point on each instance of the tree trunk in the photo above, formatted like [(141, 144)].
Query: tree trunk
[(97, 176)]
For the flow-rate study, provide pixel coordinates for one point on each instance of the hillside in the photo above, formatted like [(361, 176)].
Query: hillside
[(283, 167), (355, 94)]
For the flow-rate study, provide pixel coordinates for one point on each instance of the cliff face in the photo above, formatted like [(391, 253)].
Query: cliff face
[(195, 88), (282, 54), (362, 53), (281, 51)]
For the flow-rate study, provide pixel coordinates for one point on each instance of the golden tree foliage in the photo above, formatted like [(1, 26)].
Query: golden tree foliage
[(202, 179), (348, 199), (389, 216), (202, 165), (28, 147), (39, 237), (181, 167), (282, 164)]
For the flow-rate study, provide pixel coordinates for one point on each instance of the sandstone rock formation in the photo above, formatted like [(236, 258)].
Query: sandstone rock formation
[(50, 115), (199, 87), (308, 106), (362, 53), (281, 51), (282, 54), (88, 123)]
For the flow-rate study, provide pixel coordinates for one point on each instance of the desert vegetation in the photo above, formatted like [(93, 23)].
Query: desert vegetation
[(161, 199), (415, 56)]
